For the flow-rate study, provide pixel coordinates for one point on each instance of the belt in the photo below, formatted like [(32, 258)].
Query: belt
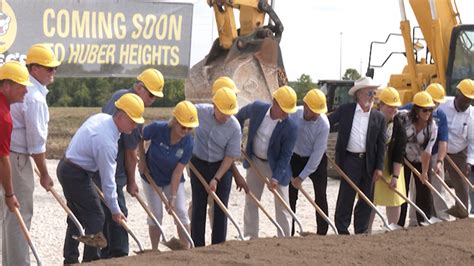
[(359, 155), (66, 160), (261, 159)]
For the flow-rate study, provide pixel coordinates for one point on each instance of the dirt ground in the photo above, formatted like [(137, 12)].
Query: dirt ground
[(446, 243), (449, 243)]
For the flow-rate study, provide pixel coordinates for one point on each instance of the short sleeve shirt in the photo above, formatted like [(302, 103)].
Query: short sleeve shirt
[(6, 126), (162, 156)]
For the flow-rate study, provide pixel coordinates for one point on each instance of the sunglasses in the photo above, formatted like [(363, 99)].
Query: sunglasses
[(183, 128), (371, 93), (49, 69), (426, 110)]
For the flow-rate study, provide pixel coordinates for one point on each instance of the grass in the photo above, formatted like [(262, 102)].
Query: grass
[(64, 122)]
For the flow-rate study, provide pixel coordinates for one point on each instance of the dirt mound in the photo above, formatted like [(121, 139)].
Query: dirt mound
[(448, 243)]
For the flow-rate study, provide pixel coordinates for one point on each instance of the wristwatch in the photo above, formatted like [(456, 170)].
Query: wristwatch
[(440, 161), (395, 176)]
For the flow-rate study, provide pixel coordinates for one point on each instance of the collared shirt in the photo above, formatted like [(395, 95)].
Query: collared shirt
[(162, 157), (262, 138), (126, 141), (30, 121), (311, 140), (94, 147), (360, 124), (461, 129), (417, 142), (214, 141), (6, 126)]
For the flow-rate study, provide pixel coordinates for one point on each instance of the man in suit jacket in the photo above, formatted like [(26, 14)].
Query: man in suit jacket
[(359, 152), (271, 138)]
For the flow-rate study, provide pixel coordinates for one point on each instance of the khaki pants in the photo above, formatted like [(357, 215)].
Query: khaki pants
[(256, 186), (15, 249)]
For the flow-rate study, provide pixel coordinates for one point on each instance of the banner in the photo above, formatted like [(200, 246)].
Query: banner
[(97, 38)]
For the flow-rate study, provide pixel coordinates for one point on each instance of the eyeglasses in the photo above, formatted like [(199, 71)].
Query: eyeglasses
[(183, 128), (426, 110), (49, 69), (371, 93)]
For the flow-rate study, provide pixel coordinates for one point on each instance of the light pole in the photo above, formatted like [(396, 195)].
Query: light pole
[(340, 55)]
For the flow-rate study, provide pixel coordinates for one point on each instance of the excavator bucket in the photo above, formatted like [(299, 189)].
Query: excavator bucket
[(254, 63)]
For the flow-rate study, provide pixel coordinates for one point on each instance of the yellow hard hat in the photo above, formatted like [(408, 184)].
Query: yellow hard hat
[(316, 101), (225, 100), (437, 92), (41, 54), (186, 114), (286, 98), (224, 82), (153, 80), (15, 71), (133, 106), (466, 86), (423, 99), (390, 97)]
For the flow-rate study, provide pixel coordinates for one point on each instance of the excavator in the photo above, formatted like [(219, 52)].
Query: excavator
[(250, 55), (449, 54)]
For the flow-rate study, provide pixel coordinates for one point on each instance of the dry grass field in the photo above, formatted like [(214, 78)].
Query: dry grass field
[(64, 121)]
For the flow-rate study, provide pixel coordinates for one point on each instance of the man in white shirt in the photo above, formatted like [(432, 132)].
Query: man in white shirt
[(30, 131), (94, 148), (460, 115)]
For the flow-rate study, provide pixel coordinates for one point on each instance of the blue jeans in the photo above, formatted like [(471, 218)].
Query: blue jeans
[(199, 196)]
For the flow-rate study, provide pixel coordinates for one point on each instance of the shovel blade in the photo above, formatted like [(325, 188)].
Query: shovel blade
[(175, 244), (96, 240)]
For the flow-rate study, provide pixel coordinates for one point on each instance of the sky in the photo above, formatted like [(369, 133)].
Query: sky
[(323, 37)]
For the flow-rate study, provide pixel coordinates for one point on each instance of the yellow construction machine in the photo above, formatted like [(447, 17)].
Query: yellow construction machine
[(249, 55), (449, 54)]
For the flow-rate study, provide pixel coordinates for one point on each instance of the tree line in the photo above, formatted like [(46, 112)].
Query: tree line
[(95, 92)]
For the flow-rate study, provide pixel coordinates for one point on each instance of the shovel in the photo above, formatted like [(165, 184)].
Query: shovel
[(277, 195), (460, 173), (390, 227), (217, 200), (428, 221), (96, 240), (123, 224), (27, 235), (426, 183), (449, 190), (318, 210), (172, 244)]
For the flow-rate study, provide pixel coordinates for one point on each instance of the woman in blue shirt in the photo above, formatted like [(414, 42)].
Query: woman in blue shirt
[(170, 150)]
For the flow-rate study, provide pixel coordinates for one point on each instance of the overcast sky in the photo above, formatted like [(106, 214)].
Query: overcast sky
[(312, 36)]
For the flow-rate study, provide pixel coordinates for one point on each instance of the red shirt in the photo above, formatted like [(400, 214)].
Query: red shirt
[(6, 126)]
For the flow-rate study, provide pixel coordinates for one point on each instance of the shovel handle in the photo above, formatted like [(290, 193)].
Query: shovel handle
[(65, 207), (150, 214), (460, 173), (318, 209), (172, 212), (24, 229), (216, 199), (449, 190), (399, 193), (426, 183), (275, 193), (361, 194), (252, 196), (122, 222)]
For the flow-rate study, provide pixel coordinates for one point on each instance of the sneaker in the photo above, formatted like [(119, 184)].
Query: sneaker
[(457, 212)]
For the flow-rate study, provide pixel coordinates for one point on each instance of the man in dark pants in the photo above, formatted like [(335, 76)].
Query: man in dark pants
[(216, 145), (359, 152), (148, 87), (94, 148), (309, 158)]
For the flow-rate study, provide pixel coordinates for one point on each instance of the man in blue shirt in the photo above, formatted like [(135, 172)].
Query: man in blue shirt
[(270, 143), (438, 153), (148, 87), (309, 155)]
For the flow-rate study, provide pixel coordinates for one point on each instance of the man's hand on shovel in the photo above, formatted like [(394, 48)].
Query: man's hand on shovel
[(118, 217), (296, 182), (132, 188), (12, 202)]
